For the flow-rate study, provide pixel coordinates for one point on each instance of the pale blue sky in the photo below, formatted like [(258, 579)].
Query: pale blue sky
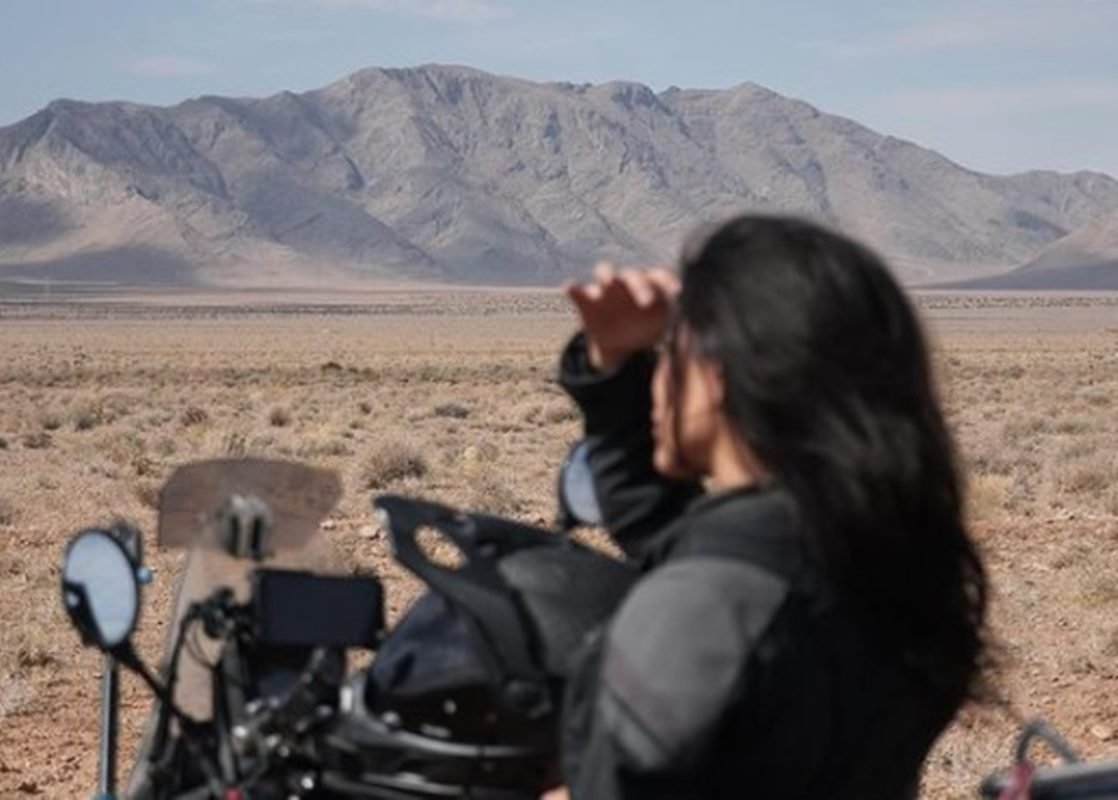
[(998, 85)]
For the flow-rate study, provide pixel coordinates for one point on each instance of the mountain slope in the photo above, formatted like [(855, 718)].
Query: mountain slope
[(1086, 259), (449, 173)]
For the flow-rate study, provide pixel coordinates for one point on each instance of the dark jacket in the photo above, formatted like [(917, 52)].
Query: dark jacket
[(725, 674)]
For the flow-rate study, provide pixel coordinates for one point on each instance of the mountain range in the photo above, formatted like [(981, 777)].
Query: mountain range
[(445, 173)]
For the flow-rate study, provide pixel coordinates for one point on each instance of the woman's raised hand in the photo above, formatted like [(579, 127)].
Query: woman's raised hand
[(623, 311)]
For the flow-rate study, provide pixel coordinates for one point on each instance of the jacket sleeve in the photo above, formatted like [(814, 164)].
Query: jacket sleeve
[(593, 764), (616, 407), (650, 695)]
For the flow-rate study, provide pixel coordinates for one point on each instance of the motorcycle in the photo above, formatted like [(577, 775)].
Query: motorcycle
[(1072, 779), (461, 696), (254, 698)]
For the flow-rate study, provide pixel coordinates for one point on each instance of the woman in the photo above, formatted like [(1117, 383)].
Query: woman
[(811, 616)]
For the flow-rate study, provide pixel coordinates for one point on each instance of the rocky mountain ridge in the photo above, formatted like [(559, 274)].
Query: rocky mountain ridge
[(452, 174)]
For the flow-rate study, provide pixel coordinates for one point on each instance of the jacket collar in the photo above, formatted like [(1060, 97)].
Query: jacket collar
[(716, 510)]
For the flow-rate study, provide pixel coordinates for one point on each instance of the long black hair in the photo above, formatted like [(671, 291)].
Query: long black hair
[(827, 379)]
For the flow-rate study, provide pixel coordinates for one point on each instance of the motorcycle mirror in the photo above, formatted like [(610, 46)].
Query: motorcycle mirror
[(578, 499), (129, 536), (100, 589)]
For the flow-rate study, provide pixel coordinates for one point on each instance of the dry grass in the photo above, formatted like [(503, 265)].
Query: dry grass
[(279, 417), (451, 410), (8, 513), (453, 397), (390, 462)]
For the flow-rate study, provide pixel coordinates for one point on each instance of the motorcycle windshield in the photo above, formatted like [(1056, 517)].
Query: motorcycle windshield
[(194, 514), (193, 503)]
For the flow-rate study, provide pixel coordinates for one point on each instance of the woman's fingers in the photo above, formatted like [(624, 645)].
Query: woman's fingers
[(665, 280), (583, 295), (603, 272), (640, 289), (622, 291)]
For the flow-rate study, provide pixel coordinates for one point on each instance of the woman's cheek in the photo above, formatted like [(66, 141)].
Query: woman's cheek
[(659, 390), (665, 458), (661, 459)]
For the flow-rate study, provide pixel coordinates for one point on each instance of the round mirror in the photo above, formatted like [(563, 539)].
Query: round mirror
[(577, 494), (100, 589)]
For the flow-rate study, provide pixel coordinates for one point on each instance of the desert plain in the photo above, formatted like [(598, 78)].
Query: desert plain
[(450, 394)]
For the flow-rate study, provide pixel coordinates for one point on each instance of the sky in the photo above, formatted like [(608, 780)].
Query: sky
[(997, 85)]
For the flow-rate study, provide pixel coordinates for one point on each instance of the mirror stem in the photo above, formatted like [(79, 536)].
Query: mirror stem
[(110, 705)]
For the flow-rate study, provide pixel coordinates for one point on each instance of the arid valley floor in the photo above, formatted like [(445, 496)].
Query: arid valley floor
[(451, 395)]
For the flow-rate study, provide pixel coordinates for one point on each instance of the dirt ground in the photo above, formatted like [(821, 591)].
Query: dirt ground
[(451, 395)]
